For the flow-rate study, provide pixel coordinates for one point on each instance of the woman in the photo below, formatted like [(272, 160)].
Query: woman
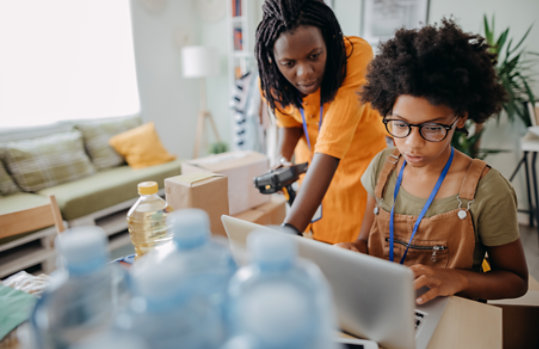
[(310, 75)]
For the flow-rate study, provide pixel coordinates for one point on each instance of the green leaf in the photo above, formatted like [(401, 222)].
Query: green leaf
[(524, 37), (502, 39), (489, 34)]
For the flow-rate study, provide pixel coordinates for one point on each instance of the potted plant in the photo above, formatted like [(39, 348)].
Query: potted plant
[(513, 67)]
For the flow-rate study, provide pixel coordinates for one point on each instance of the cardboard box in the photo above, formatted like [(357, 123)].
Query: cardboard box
[(241, 167), (204, 190), (270, 213)]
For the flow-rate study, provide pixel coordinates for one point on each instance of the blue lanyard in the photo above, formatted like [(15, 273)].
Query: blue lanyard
[(305, 124), (423, 211)]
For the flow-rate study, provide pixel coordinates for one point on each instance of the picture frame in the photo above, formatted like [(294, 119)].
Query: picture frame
[(381, 18)]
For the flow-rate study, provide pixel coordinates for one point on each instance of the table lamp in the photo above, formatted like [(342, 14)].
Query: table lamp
[(201, 62)]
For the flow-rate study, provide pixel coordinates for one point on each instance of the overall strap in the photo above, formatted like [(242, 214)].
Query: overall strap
[(476, 170), (389, 165)]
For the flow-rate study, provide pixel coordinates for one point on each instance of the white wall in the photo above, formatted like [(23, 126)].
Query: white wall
[(165, 96), (516, 14), (168, 99)]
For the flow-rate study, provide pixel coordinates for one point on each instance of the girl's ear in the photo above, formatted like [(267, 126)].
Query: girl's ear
[(462, 120)]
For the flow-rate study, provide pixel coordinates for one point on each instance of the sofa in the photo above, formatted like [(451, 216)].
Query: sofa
[(93, 178)]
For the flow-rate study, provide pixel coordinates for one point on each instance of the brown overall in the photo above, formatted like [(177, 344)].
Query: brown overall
[(445, 240)]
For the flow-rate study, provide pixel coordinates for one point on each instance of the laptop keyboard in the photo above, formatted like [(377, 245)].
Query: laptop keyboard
[(418, 318)]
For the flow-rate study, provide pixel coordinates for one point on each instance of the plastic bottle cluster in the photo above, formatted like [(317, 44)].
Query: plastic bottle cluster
[(191, 296)]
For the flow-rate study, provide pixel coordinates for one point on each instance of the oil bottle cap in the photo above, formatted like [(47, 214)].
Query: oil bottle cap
[(147, 188)]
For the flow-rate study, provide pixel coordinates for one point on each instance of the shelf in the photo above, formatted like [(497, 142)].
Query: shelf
[(241, 34)]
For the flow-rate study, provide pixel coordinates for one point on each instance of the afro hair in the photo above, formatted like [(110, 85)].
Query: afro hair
[(442, 64)]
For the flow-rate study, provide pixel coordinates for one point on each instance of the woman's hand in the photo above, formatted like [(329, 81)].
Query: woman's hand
[(357, 246), (439, 281)]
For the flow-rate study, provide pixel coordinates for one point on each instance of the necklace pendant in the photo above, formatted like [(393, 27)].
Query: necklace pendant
[(376, 210), (462, 214)]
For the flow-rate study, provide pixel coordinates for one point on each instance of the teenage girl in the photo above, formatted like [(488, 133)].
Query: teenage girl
[(430, 206), (310, 75)]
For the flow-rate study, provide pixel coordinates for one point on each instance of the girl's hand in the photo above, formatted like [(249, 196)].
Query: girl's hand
[(439, 281), (357, 246)]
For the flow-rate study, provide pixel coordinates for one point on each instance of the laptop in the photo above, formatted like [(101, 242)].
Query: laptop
[(374, 298)]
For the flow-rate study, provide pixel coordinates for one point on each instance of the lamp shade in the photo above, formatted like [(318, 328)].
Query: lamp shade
[(199, 61)]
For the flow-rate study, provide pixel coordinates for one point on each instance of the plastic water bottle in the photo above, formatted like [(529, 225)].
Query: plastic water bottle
[(179, 297), (83, 294), (278, 300), (146, 220), (207, 260)]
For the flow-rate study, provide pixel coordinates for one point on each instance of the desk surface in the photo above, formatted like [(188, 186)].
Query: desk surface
[(468, 324)]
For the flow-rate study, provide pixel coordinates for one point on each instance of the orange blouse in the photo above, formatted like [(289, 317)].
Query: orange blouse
[(350, 131)]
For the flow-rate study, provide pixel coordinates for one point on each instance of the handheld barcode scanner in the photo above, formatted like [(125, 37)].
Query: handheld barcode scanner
[(281, 178)]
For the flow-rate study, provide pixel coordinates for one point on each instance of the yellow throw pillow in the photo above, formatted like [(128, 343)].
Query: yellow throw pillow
[(141, 146)]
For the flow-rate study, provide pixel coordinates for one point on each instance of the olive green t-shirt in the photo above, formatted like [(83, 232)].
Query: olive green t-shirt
[(493, 211)]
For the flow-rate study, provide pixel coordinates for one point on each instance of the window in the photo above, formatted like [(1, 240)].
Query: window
[(65, 59)]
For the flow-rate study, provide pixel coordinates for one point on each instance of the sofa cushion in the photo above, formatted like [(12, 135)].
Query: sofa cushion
[(141, 147), (47, 161), (21, 201), (107, 188), (96, 134), (7, 186)]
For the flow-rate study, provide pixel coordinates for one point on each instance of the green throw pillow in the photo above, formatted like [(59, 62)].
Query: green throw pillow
[(47, 161), (96, 135), (7, 186)]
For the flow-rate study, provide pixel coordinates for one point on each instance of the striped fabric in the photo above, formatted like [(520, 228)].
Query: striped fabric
[(96, 134), (7, 186), (43, 162)]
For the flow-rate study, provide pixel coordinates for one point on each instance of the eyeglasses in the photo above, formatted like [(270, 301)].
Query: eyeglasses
[(429, 131)]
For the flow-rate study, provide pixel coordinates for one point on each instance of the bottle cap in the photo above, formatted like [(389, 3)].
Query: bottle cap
[(157, 283), (190, 227), (82, 249), (147, 188), (271, 249)]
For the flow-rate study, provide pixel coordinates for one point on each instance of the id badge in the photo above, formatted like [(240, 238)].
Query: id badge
[(317, 215)]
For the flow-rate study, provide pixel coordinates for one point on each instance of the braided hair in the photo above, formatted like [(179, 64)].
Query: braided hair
[(281, 16), (442, 64)]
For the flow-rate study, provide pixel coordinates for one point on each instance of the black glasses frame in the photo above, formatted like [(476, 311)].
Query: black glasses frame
[(420, 127)]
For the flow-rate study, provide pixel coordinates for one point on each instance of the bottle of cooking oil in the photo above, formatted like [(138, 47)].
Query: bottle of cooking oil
[(147, 220)]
